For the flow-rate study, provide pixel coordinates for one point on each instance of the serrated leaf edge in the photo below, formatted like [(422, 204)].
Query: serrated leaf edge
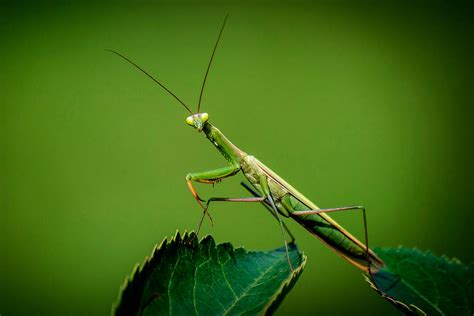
[(411, 308), (138, 268), (407, 308), (446, 258)]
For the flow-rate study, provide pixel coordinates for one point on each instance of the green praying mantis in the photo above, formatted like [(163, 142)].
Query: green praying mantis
[(271, 190)]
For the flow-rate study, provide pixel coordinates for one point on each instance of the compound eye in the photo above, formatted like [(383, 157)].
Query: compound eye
[(204, 117), (190, 120)]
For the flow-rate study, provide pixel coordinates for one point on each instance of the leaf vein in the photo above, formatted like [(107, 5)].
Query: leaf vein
[(170, 281), (225, 277), (247, 289)]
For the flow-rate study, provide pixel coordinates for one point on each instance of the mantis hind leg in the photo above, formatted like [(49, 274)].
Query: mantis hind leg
[(341, 209)]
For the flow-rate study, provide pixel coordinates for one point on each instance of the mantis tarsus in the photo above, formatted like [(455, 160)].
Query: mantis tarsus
[(270, 189)]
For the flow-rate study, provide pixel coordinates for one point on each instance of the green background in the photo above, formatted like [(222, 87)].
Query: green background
[(352, 104)]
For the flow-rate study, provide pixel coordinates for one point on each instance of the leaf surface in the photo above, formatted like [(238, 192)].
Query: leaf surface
[(422, 283), (184, 277)]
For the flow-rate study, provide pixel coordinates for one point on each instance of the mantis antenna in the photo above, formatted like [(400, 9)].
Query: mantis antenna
[(151, 77), (210, 62)]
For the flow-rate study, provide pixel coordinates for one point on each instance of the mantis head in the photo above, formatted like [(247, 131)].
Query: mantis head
[(197, 120)]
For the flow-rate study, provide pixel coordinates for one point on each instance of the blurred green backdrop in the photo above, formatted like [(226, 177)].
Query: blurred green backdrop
[(353, 104)]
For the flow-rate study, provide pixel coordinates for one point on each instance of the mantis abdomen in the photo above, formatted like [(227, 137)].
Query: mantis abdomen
[(291, 203)]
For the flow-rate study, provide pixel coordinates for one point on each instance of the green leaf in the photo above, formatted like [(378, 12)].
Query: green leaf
[(421, 283), (184, 277)]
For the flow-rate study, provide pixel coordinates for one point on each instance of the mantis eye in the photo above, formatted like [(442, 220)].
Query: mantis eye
[(190, 120), (204, 117)]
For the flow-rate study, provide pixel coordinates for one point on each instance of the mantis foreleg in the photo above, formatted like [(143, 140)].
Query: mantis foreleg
[(209, 177)]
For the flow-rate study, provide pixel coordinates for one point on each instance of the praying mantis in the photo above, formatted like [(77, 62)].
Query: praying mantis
[(268, 188)]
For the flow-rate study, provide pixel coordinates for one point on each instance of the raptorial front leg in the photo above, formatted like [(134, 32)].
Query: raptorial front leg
[(209, 177)]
